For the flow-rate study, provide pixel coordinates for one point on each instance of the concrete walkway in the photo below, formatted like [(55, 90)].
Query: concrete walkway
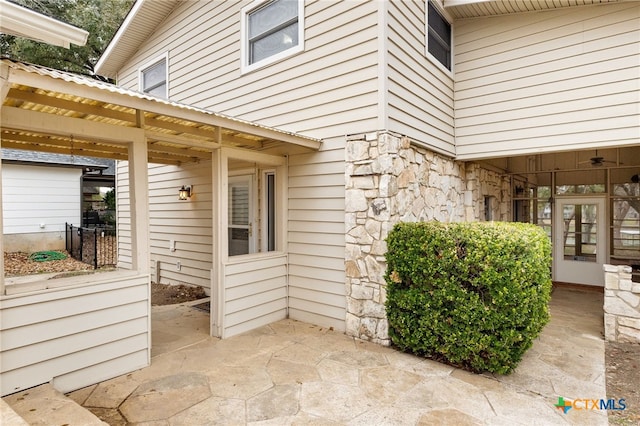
[(296, 373)]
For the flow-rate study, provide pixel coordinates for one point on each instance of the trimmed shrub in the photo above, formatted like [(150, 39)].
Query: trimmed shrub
[(474, 295)]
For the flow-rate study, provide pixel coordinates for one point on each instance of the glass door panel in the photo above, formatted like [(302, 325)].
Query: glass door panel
[(580, 240)]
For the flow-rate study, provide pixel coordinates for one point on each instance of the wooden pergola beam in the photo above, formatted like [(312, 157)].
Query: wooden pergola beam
[(60, 150), (70, 145), (41, 122), (185, 152), (180, 140), (79, 107)]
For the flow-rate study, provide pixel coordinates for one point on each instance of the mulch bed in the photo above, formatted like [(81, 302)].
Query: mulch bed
[(623, 381), (18, 264)]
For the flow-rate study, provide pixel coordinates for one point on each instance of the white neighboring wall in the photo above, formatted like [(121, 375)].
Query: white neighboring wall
[(36, 203)]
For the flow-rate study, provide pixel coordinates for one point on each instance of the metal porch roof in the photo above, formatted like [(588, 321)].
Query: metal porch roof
[(176, 133)]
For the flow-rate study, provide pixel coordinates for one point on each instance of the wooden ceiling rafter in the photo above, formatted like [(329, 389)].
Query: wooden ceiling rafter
[(100, 111), (185, 152), (97, 110), (63, 150)]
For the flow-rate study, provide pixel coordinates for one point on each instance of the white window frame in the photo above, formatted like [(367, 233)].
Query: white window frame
[(245, 67), (264, 211), (164, 57), (438, 6)]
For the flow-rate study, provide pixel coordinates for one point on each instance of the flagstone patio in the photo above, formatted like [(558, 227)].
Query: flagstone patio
[(295, 373)]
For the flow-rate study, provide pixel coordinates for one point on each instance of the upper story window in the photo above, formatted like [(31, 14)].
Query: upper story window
[(271, 30), (438, 36), (153, 78)]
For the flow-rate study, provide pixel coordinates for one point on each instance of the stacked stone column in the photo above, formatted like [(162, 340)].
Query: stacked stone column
[(621, 305), (390, 180)]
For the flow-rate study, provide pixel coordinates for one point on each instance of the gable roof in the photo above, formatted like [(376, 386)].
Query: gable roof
[(141, 21), (23, 22), (42, 106)]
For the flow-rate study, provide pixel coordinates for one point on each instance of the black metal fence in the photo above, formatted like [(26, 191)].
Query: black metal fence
[(94, 246)]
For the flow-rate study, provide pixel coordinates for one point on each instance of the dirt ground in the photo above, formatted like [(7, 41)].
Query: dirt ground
[(622, 359), (162, 294), (623, 381)]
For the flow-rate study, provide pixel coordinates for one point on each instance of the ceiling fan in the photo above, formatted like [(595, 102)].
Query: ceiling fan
[(597, 160)]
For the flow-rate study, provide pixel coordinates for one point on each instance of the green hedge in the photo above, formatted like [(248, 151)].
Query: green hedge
[(473, 295)]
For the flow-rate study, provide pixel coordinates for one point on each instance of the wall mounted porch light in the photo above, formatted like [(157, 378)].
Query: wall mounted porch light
[(185, 192)]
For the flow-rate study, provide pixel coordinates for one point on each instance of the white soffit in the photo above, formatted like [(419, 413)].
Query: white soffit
[(139, 24), (461, 9), (20, 21)]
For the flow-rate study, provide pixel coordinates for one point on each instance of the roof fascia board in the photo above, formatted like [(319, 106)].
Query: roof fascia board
[(124, 27), (158, 106), (23, 22), (258, 157)]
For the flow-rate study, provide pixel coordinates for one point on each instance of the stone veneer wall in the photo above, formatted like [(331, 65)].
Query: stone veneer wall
[(621, 305), (390, 180)]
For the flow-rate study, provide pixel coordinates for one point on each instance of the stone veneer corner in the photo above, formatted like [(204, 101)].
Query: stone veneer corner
[(621, 305), (391, 180)]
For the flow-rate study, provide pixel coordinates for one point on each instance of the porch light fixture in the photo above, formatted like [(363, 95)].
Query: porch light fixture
[(185, 192)]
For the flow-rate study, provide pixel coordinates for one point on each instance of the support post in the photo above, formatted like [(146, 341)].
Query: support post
[(139, 199), (219, 180)]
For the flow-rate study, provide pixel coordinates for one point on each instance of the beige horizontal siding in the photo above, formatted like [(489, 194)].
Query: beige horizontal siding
[(316, 238), (123, 215), (188, 223), (74, 336), (549, 81), (419, 93), (330, 89), (255, 293)]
